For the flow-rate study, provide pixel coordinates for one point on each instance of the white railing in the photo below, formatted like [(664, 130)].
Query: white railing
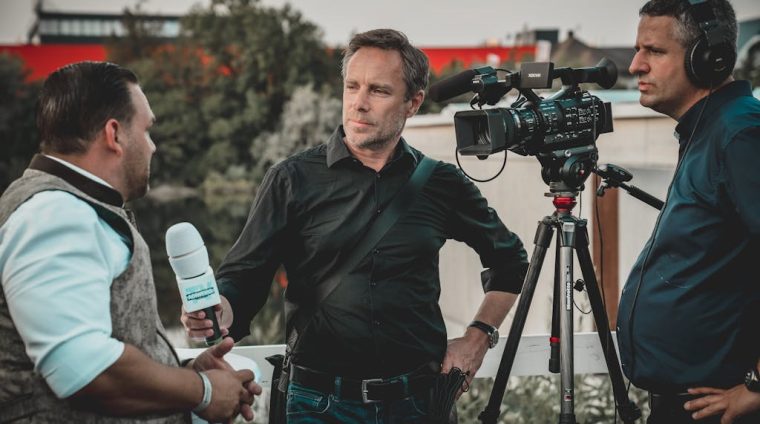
[(532, 356)]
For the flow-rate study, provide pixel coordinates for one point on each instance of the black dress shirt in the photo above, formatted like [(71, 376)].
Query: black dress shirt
[(696, 313), (384, 318)]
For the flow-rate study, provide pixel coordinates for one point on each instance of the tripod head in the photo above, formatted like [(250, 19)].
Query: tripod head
[(565, 171)]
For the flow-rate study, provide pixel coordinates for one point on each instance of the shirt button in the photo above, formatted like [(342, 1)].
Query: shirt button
[(376, 251), (378, 176), (373, 284), (376, 322), (378, 211)]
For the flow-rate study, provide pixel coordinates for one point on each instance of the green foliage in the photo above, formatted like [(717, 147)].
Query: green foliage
[(535, 400), (307, 120), (18, 133), (222, 86)]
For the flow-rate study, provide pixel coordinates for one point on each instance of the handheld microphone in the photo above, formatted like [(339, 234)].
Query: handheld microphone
[(189, 260)]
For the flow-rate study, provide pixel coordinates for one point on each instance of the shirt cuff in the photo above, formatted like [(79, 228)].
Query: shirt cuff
[(240, 327), (78, 361), (505, 278)]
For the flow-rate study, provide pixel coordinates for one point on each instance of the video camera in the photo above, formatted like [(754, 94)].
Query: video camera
[(560, 131)]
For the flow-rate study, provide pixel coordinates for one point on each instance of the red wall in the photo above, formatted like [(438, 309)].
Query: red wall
[(41, 60), (469, 57), (44, 59)]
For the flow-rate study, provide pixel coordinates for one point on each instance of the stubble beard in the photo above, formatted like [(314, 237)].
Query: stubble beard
[(137, 177), (382, 140)]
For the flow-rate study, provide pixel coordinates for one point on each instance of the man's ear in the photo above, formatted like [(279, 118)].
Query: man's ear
[(416, 102), (112, 132)]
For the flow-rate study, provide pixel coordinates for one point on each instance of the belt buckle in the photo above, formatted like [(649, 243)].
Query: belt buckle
[(364, 390)]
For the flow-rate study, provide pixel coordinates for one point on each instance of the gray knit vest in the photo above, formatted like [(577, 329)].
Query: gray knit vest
[(24, 395)]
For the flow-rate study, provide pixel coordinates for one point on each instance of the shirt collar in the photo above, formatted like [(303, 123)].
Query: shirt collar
[(714, 102), (338, 152), (86, 182)]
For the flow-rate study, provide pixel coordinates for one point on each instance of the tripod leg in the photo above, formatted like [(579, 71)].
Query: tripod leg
[(567, 371), (542, 241), (554, 341), (628, 411)]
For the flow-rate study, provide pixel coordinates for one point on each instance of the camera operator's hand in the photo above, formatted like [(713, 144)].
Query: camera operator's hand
[(198, 326), (732, 403)]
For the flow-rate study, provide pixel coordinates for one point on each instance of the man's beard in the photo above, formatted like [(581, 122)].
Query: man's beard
[(137, 177), (375, 144), (382, 140)]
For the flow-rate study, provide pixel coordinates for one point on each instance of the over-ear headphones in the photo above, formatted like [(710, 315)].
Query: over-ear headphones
[(711, 58)]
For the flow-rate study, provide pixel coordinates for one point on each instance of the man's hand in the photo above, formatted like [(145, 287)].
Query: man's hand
[(232, 393), (466, 353), (198, 326), (732, 403), (213, 359)]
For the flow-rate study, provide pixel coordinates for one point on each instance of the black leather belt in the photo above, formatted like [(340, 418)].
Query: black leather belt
[(669, 407), (368, 391), (669, 400)]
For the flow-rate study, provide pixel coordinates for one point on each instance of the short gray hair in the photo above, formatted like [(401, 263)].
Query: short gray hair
[(687, 29), (414, 62)]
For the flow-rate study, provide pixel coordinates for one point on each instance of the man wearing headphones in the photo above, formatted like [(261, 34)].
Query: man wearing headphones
[(689, 314)]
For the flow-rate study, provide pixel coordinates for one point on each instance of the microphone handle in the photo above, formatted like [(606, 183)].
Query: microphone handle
[(217, 336)]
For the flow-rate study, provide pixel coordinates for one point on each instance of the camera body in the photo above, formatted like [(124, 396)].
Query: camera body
[(572, 120), (560, 131)]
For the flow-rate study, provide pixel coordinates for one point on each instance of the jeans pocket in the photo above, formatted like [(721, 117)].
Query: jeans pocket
[(420, 404), (302, 400)]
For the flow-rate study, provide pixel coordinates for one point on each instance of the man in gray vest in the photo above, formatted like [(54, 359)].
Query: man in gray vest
[(81, 337)]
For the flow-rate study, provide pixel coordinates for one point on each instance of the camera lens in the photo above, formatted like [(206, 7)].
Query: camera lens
[(482, 135)]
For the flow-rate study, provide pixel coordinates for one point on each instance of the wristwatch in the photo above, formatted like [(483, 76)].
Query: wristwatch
[(490, 330), (752, 380)]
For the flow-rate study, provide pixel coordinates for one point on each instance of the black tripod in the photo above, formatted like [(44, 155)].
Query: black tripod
[(572, 236)]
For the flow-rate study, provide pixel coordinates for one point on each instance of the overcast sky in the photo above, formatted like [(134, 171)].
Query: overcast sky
[(427, 23)]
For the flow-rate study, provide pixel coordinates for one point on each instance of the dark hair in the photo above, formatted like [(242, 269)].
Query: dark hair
[(414, 62), (687, 29), (77, 100)]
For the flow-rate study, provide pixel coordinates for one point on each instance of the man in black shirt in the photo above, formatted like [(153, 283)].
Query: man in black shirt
[(690, 311), (383, 321)]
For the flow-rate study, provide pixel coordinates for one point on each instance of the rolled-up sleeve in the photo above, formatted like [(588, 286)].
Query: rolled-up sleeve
[(58, 261), (501, 251)]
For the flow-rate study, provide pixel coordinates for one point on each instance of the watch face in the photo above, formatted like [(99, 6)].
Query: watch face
[(494, 338)]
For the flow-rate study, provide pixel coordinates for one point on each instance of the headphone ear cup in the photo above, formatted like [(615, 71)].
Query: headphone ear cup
[(697, 63), (707, 67)]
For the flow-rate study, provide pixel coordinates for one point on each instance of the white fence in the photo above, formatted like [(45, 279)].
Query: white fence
[(532, 356)]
